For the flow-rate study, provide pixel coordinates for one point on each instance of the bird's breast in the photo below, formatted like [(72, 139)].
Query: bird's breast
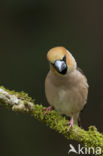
[(67, 98), (64, 100)]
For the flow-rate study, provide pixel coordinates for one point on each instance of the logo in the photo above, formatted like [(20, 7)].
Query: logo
[(84, 150)]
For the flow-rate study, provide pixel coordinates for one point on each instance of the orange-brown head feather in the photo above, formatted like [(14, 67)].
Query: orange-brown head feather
[(58, 53)]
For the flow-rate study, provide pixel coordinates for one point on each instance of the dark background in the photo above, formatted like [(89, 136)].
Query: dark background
[(28, 29)]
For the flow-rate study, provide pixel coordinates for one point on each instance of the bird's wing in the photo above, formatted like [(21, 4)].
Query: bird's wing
[(80, 70)]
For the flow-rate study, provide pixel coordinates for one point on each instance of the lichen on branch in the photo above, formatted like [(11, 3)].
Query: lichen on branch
[(21, 102)]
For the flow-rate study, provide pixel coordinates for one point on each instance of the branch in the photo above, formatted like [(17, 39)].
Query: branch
[(21, 102)]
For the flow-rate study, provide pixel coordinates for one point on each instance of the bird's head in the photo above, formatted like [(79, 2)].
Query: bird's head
[(61, 60)]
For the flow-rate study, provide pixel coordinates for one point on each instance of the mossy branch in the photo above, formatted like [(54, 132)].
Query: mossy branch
[(21, 102)]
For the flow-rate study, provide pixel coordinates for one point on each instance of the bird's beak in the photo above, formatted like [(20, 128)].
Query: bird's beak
[(60, 66)]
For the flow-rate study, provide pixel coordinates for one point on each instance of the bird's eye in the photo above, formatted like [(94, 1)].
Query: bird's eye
[(64, 58)]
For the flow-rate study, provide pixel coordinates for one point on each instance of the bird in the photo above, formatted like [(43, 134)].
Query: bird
[(66, 87)]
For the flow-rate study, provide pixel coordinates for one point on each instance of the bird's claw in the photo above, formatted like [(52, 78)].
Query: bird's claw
[(48, 109), (70, 124)]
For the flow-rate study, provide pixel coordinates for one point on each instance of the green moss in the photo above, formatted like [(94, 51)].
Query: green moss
[(52, 118), (24, 96), (91, 138), (92, 128), (21, 95)]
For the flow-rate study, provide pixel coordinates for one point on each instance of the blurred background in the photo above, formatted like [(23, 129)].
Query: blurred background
[(28, 29)]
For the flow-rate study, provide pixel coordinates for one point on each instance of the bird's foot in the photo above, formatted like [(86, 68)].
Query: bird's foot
[(48, 109), (70, 125)]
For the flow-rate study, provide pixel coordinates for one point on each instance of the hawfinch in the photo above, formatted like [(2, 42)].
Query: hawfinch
[(66, 88)]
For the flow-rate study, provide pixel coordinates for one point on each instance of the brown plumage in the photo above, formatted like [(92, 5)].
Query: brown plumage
[(66, 88)]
